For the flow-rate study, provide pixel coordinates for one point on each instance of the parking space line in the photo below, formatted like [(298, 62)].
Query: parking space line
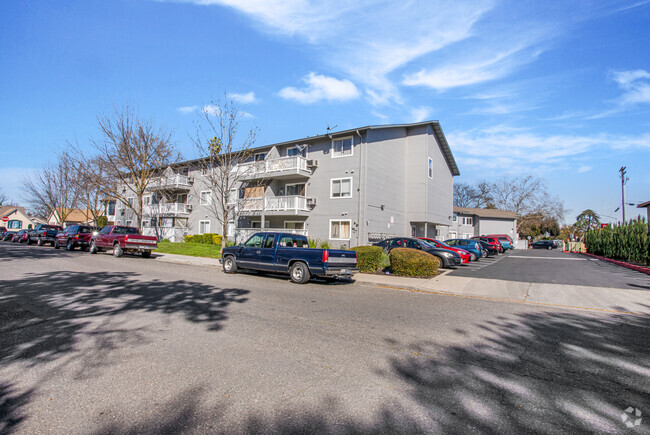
[(548, 258)]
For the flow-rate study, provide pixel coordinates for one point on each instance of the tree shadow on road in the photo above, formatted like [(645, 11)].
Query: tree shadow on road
[(553, 372), (45, 316)]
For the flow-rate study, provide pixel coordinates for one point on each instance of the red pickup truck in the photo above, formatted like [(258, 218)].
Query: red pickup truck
[(122, 239)]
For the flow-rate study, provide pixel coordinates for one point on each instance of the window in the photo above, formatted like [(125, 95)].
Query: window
[(294, 151), (342, 147), (204, 227), (341, 188), (111, 208), (130, 201), (294, 242), (294, 225), (14, 224), (455, 218), (295, 189), (106, 230), (129, 223), (147, 200), (255, 241), (467, 221), (259, 156), (181, 198), (430, 167), (340, 229), (206, 198), (268, 243), (452, 234)]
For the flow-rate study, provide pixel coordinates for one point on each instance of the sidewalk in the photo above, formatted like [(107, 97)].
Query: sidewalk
[(557, 295)]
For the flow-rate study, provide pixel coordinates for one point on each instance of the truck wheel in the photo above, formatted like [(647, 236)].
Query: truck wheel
[(117, 251), (93, 248), (56, 244), (146, 254), (229, 264), (299, 272), (40, 242), (70, 245)]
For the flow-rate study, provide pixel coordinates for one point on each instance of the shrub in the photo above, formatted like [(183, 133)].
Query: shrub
[(324, 244), (623, 242), (385, 260), (101, 221), (188, 238), (216, 239), (313, 243), (230, 243), (412, 262), (368, 258), (207, 238), (197, 238)]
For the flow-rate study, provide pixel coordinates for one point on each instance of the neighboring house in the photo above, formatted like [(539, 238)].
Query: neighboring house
[(470, 222), (348, 188), (75, 217), (18, 219)]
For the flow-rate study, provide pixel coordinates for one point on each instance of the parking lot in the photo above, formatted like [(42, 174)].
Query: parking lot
[(554, 267)]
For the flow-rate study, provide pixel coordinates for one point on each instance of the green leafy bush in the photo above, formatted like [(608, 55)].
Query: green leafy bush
[(216, 239), (313, 243), (412, 262), (101, 221), (622, 242), (324, 244), (368, 258), (188, 238), (385, 261), (230, 243)]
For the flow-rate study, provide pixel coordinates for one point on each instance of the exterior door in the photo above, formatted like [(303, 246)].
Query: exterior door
[(249, 256), (267, 253)]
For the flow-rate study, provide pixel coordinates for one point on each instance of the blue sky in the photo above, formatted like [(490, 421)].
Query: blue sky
[(557, 89)]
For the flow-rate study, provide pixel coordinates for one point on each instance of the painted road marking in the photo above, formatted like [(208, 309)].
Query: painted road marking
[(548, 258)]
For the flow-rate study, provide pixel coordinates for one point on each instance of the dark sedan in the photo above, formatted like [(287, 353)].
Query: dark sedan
[(9, 235), (21, 236), (447, 258), (543, 244)]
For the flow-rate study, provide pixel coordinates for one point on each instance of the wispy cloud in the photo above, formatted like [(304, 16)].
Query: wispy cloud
[(188, 109), (584, 168), (421, 113), (320, 88), (248, 98)]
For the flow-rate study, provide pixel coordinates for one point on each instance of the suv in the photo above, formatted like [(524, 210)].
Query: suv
[(491, 240), (43, 234), (543, 244), (73, 236)]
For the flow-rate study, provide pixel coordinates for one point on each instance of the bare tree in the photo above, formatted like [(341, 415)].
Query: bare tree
[(478, 196), (3, 197), (53, 190), (93, 182), (131, 151), (219, 140), (519, 194)]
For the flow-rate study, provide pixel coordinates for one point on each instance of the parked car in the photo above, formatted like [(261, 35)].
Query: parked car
[(3, 230), (122, 240), (74, 236), (492, 241), (465, 256), (8, 236), (288, 253), (472, 246), (44, 233), (543, 244), (490, 249), (21, 236), (447, 258), (504, 239)]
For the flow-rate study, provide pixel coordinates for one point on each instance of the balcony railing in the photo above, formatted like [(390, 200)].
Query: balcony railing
[(243, 234), (292, 203), (176, 182), (296, 165), (171, 208)]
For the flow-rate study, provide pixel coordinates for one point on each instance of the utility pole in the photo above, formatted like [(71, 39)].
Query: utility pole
[(623, 180)]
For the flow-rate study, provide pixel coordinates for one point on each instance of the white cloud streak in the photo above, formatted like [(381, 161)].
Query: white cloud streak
[(187, 109), (248, 98), (320, 88)]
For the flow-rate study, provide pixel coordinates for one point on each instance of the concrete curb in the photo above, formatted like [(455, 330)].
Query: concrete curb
[(638, 268)]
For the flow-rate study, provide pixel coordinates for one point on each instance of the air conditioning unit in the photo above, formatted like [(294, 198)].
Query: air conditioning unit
[(189, 207), (312, 163), (190, 180), (311, 201)]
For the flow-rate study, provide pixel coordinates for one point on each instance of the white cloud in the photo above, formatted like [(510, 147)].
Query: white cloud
[(584, 168), (187, 109), (636, 85), (419, 114), (248, 98), (320, 88), (211, 109)]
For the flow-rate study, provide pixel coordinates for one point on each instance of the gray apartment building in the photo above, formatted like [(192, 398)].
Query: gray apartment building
[(470, 222), (349, 188)]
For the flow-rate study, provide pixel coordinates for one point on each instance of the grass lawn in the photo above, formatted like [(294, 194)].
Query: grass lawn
[(191, 249)]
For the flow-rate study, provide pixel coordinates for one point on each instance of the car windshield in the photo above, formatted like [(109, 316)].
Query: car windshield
[(428, 244)]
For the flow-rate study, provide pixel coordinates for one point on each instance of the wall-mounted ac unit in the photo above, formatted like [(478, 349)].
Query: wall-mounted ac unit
[(190, 180), (189, 207), (311, 201), (312, 163)]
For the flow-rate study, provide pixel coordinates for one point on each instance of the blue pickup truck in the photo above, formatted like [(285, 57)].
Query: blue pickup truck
[(289, 253)]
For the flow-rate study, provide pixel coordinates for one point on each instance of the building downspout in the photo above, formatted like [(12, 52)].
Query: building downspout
[(361, 224)]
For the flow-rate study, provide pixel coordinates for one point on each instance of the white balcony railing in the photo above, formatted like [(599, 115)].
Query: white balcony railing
[(275, 167), (176, 182), (292, 203), (171, 208)]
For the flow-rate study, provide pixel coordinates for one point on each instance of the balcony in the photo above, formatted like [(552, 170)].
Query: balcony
[(293, 204), (167, 209), (242, 234), (284, 167), (177, 182)]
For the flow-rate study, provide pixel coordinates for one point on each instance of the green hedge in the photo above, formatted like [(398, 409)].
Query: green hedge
[(621, 242), (368, 258), (412, 262), (206, 239)]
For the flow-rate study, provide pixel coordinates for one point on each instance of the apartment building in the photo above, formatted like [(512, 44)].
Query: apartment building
[(470, 222), (349, 188)]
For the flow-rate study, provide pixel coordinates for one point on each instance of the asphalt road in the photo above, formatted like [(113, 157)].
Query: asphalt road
[(95, 344), (555, 267)]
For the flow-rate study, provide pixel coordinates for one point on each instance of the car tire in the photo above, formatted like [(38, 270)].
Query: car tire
[(117, 251), (56, 244), (472, 256), (549, 248), (299, 272), (146, 254), (93, 248), (229, 264), (69, 246), (40, 242)]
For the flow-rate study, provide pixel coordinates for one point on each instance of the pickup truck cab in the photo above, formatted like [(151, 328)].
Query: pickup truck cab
[(43, 234), (122, 240), (288, 253)]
